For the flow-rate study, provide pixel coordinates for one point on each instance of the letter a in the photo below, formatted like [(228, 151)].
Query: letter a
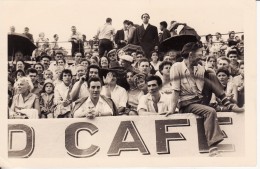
[(119, 142)]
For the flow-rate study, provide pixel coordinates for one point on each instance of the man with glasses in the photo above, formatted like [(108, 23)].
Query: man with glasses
[(146, 36)]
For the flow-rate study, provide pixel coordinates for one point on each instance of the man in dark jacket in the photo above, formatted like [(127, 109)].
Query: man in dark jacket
[(146, 36), (121, 36)]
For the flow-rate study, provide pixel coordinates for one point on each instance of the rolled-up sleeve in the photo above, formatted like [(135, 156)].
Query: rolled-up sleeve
[(175, 77), (142, 103)]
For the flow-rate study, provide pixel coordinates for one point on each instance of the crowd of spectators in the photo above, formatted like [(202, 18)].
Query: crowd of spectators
[(104, 80)]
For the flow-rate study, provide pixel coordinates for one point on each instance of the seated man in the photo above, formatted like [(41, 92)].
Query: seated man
[(193, 88), (155, 102), (95, 104)]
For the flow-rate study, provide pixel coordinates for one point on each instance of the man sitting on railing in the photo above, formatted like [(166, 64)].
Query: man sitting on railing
[(193, 88)]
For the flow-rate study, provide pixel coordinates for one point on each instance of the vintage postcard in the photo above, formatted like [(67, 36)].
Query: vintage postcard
[(114, 83)]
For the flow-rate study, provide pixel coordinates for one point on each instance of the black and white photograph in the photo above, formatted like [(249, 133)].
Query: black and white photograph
[(144, 83)]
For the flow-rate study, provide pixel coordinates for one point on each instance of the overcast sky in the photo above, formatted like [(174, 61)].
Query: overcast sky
[(58, 16)]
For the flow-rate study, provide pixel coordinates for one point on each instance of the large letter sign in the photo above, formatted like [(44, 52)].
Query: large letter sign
[(30, 139), (71, 139), (163, 137), (119, 142)]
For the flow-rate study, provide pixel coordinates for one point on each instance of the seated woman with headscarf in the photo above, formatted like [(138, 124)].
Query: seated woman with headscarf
[(25, 104)]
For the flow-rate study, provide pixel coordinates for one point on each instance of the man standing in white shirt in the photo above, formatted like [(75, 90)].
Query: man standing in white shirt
[(105, 34)]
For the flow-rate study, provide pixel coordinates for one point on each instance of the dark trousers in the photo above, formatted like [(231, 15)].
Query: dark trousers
[(212, 130), (211, 85), (77, 47), (105, 45)]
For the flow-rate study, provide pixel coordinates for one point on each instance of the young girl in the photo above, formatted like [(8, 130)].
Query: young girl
[(47, 100)]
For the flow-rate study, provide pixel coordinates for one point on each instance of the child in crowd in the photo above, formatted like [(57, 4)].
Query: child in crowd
[(47, 74), (47, 100)]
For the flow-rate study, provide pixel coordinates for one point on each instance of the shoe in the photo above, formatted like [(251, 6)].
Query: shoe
[(213, 152), (237, 109)]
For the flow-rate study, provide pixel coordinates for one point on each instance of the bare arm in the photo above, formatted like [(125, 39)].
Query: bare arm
[(107, 80), (37, 105), (175, 97), (74, 94)]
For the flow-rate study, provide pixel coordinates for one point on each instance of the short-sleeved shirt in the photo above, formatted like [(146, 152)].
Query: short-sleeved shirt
[(146, 103), (106, 32), (118, 95), (182, 81), (101, 107)]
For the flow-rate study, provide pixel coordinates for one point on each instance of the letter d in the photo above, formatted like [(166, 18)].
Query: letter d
[(30, 140)]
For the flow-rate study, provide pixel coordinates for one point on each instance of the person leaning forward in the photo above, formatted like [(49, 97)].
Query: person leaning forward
[(193, 87)]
